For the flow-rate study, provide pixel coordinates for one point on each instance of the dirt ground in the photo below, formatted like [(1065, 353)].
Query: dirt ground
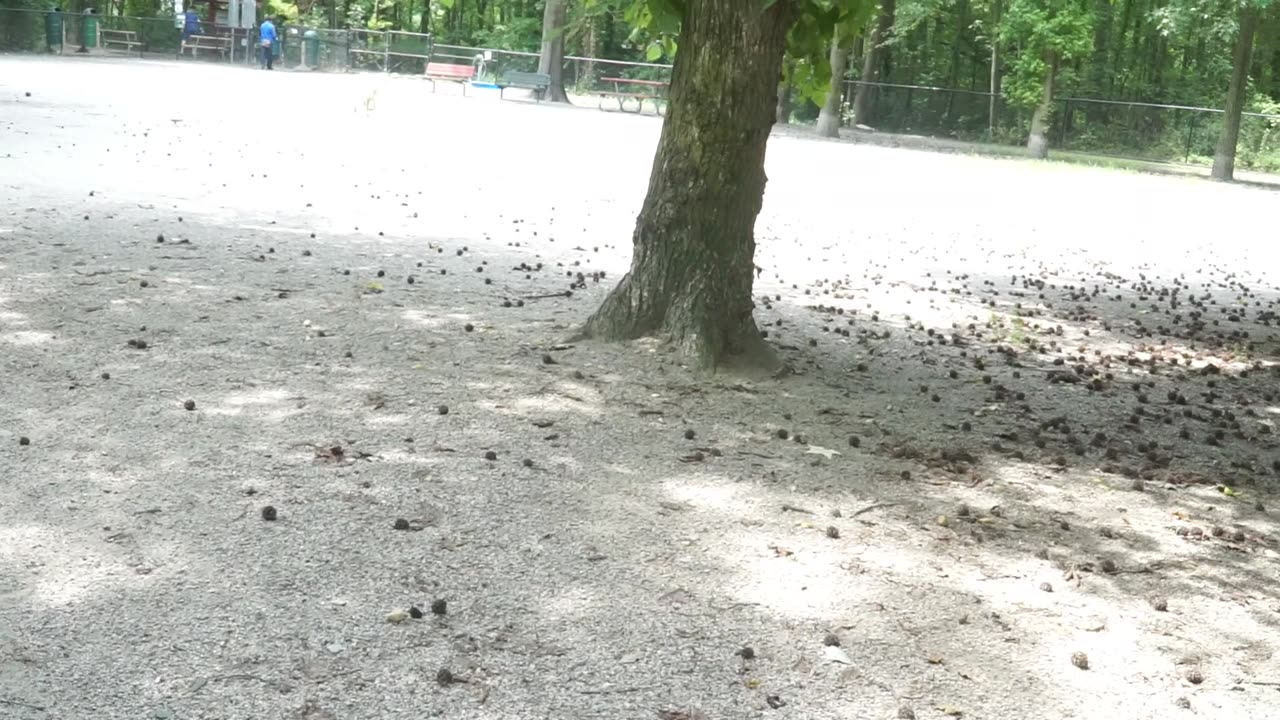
[(1026, 467)]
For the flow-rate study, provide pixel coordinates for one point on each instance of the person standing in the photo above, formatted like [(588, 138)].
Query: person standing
[(267, 39), (190, 24)]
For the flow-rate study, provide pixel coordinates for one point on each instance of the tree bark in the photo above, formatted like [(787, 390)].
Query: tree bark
[(829, 118), (694, 243), (1038, 140), (551, 63), (1224, 158), (872, 62)]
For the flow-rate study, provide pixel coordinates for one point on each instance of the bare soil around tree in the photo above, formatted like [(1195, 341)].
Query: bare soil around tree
[(284, 368)]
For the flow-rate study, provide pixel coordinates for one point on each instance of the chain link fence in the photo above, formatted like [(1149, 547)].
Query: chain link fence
[(1122, 129)]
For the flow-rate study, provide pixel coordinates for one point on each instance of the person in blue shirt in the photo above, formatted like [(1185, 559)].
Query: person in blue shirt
[(267, 38), (190, 24)]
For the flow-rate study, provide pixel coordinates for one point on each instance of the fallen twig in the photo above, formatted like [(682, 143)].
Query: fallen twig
[(562, 293), (869, 508), (19, 703), (795, 508), (618, 691)]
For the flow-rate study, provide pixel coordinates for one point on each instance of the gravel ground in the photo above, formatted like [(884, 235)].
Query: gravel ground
[(988, 468)]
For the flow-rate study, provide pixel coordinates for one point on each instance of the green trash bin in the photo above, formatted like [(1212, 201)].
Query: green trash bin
[(53, 30), (89, 30), (311, 49)]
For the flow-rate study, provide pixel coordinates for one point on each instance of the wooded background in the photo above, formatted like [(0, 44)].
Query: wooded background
[(965, 69)]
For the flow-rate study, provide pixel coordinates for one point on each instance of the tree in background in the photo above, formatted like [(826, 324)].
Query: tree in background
[(875, 63), (551, 61), (850, 22), (1224, 157), (1045, 34)]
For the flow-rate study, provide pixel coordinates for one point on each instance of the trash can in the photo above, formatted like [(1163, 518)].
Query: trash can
[(53, 30), (89, 30), (311, 49)]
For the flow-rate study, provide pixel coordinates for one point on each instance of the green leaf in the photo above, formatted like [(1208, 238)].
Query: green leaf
[(654, 52)]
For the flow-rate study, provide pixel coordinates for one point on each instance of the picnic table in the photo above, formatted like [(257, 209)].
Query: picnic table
[(631, 89)]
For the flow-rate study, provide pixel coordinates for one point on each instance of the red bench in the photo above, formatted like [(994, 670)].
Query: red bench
[(462, 74)]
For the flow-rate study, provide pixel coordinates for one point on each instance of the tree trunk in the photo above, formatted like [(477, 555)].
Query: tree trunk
[(1224, 159), (994, 98), (782, 113), (551, 63), (424, 25), (693, 248), (872, 62), (829, 117), (1038, 140)]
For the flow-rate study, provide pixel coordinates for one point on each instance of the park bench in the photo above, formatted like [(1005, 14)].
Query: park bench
[(196, 43), (461, 74), (638, 90), (537, 82), (126, 40)]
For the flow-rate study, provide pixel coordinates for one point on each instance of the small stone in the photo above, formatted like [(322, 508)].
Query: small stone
[(963, 510), (443, 409), (1139, 485), (833, 532), (782, 434), (1080, 660), (1258, 506), (1046, 587), (1194, 676), (855, 441), (1183, 703), (1160, 604), (397, 616), (490, 455), (1043, 553), (306, 253), (906, 713), (24, 441), (548, 360), (415, 612), (269, 513), (831, 640), (1238, 536), (1108, 566), (143, 283), (468, 327), (106, 376), (943, 520), (189, 405), (445, 677), (439, 607), (774, 701), (527, 462), (690, 434), (746, 652)]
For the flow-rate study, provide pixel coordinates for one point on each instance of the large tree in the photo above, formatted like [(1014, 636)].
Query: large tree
[(1046, 33), (1224, 157), (551, 61), (694, 241)]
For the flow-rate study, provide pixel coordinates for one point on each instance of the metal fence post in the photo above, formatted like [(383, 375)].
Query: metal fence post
[(1191, 129)]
